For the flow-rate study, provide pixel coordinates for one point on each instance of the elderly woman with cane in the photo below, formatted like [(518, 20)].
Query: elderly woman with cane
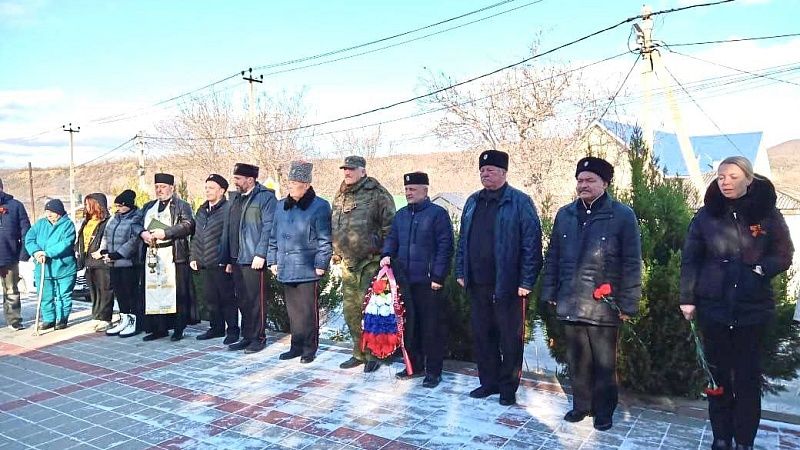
[(737, 243), (51, 242)]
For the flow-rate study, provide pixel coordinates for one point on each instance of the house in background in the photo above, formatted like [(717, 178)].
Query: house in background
[(609, 140), (453, 202)]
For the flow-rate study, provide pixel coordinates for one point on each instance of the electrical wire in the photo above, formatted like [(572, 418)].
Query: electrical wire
[(425, 36), (383, 39), (728, 41), (122, 116), (731, 68), (106, 153), (621, 85), (710, 119), (470, 80), (423, 113), (144, 110)]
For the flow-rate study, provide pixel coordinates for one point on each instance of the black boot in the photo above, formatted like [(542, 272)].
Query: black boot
[(721, 444)]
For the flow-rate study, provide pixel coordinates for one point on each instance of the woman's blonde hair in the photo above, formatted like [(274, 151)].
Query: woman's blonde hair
[(742, 163)]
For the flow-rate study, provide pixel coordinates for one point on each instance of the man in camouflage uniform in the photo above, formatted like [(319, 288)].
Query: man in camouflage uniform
[(362, 217)]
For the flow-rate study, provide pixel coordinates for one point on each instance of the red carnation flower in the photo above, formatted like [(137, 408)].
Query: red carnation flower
[(602, 291), (714, 391), (379, 286)]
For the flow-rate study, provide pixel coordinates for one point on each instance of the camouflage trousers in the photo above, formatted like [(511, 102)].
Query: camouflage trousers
[(356, 276)]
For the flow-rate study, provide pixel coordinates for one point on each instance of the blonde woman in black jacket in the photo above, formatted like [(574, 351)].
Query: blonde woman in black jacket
[(737, 242)]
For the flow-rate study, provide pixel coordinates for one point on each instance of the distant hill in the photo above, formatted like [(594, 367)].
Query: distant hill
[(448, 171), (785, 162), (452, 171)]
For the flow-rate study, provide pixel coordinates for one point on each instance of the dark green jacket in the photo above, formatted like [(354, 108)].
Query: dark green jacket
[(362, 218)]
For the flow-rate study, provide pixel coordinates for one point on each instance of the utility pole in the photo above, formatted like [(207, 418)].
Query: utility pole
[(653, 63), (252, 112), (71, 132), (30, 185), (644, 37), (140, 146)]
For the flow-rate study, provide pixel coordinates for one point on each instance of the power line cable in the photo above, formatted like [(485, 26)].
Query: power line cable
[(621, 85), (470, 80), (32, 136), (423, 113), (731, 68), (383, 39), (710, 119), (143, 110), (728, 41), (399, 43), (106, 153), (119, 117)]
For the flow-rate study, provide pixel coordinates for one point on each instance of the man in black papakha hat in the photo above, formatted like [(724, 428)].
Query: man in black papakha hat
[(250, 224), (420, 245), (168, 223), (595, 241), (498, 258), (210, 260)]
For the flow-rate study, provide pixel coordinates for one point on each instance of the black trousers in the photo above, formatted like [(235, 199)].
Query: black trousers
[(498, 327), (183, 304), (592, 359), (127, 289), (425, 330), (734, 354), (252, 291), (302, 304), (221, 300), (98, 280)]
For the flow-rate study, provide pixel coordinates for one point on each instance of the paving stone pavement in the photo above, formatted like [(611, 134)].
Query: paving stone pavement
[(75, 389)]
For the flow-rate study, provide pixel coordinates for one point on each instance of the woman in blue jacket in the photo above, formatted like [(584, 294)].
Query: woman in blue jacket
[(51, 240)]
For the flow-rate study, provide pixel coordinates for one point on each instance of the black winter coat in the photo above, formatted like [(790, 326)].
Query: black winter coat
[(517, 243), (14, 224), (84, 258), (421, 242), (181, 229), (208, 235), (726, 241), (607, 250)]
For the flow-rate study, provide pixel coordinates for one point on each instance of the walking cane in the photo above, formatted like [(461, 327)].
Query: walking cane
[(39, 300)]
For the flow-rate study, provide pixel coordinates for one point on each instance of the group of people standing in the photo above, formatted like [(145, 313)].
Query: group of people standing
[(737, 243)]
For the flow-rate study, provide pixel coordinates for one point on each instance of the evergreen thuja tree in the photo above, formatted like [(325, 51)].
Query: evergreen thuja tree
[(664, 362), (781, 346), (458, 311), (659, 359)]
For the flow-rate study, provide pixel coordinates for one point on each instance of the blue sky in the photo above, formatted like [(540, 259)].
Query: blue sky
[(74, 61)]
